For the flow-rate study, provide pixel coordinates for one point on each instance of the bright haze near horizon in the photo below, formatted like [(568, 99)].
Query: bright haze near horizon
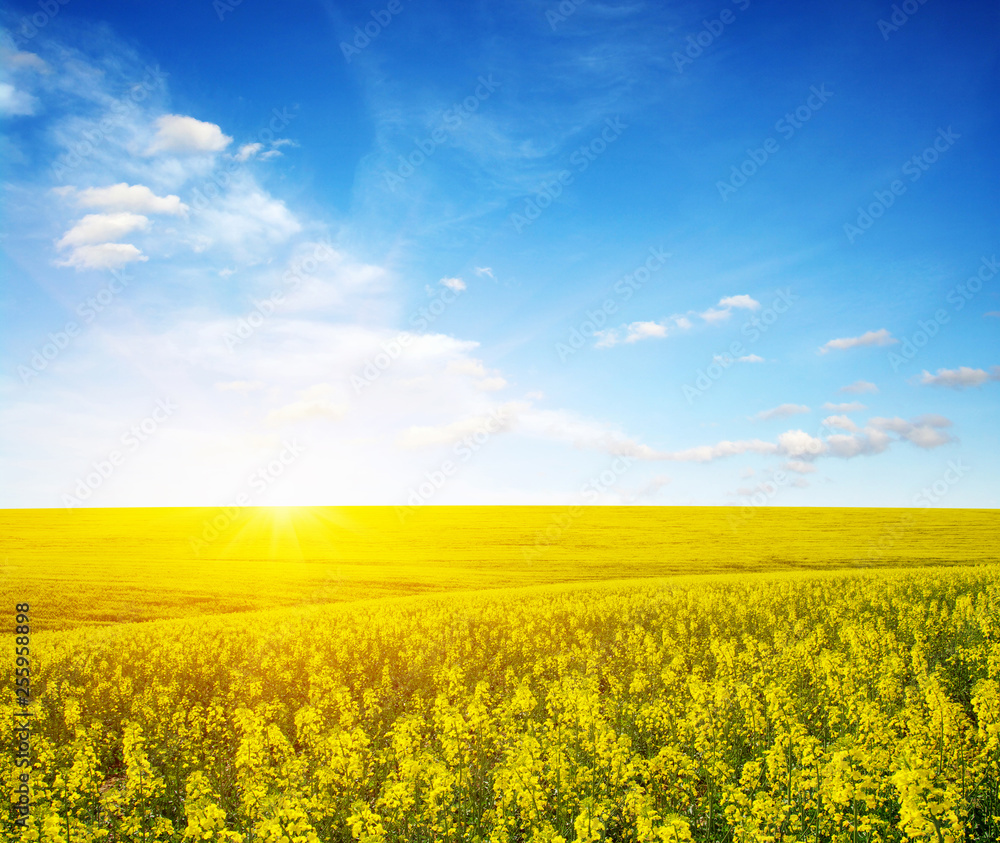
[(418, 253)]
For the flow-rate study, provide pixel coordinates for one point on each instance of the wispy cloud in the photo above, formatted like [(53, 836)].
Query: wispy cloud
[(802, 447), (14, 102), (781, 412), (959, 378), (742, 301), (879, 337), (724, 309), (860, 388)]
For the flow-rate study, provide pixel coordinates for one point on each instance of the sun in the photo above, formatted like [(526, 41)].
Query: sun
[(292, 533)]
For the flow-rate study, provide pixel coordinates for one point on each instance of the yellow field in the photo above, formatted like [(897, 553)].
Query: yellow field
[(110, 566), (585, 696)]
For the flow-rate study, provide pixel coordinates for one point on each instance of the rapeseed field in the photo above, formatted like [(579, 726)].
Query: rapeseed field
[(788, 705), (107, 566)]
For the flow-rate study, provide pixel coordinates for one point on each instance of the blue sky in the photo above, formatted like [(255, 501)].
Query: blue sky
[(650, 253)]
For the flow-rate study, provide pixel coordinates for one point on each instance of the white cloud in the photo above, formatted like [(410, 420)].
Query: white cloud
[(484, 424), (130, 197), (867, 443), (25, 61), (926, 437), (782, 412), (708, 453), (234, 417), (879, 337), (798, 443), (102, 228), (582, 433), (606, 338), (176, 133), (248, 151), (840, 423), (645, 330), (247, 222), (859, 388), (724, 309), (800, 467), (331, 280), (103, 256), (750, 358), (959, 378), (742, 301), (16, 103), (456, 284), (924, 432), (850, 407), (713, 314), (487, 271), (933, 419), (636, 331)]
